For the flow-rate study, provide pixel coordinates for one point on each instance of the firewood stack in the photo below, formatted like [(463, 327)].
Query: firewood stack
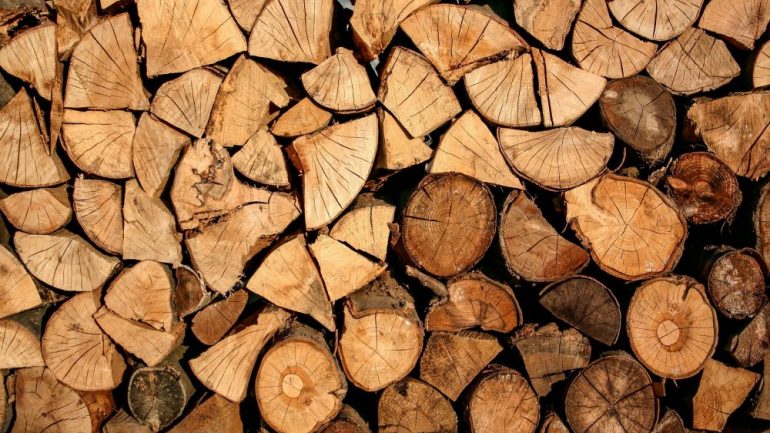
[(393, 216)]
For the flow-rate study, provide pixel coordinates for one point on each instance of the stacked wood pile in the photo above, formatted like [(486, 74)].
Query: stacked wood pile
[(428, 216)]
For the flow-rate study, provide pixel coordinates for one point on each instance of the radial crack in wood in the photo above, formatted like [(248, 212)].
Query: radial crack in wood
[(366, 226), (211, 323), (18, 292), (261, 160), (143, 293), (658, 20), (414, 406), (340, 84), (31, 56), (502, 401), (397, 149), (38, 211), (304, 117), (740, 23), (186, 102), (761, 408), (374, 23), (762, 224), (149, 228), (760, 69), (156, 148), (19, 347), (122, 422), (98, 206), (214, 414), (246, 12), (149, 344), (157, 396), (721, 391), (190, 293), (100, 142), (343, 269), (548, 21), (736, 282), (74, 18), (752, 344)]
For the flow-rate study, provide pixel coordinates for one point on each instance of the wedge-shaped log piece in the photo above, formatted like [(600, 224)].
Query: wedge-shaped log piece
[(740, 23), (374, 23), (98, 208), (658, 20), (18, 292), (760, 74), (181, 35), (38, 211), (382, 335), (31, 56), (413, 92), (73, 18), (549, 21), (64, 260), (398, 150), (261, 160), (76, 350), (670, 422), (475, 300), (348, 421), (246, 12), (502, 402), (299, 375), (156, 147), (704, 187), (448, 212), (122, 422), (143, 293), (604, 49), (531, 247), (149, 228), (248, 99), (157, 396), (458, 39), (566, 92), (190, 293), (45, 404), (632, 230), (150, 345), (752, 344), (468, 147), (553, 424), (735, 128), (641, 113), (586, 304), (304, 117), (288, 277), (26, 161), (340, 84), (210, 324), (226, 367), (613, 394), (99, 142), (293, 31), (186, 102), (504, 91), (721, 391), (365, 226), (560, 158), (692, 63), (414, 406), (104, 69), (336, 163), (19, 347), (343, 269), (214, 414)]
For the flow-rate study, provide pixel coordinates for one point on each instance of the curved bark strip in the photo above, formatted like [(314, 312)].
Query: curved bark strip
[(155, 151), (98, 208), (293, 31), (658, 20), (414, 406), (31, 56), (18, 292), (304, 117), (340, 84), (741, 24), (374, 23), (38, 211), (19, 347), (100, 142), (186, 102)]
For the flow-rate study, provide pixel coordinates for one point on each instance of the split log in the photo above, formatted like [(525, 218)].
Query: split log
[(156, 149), (504, 91), (397, 149), (614, 393), (450, 361), (190, 294), (468, 147), (414, 93), (143, 293), (553, 424), (289, 278), (721, 390), (760, 69), (304, 117), (99, 142), (74, 18), (476, 37), (226, 367), (736, 282), (740, 24), (703, 187), (38, 211), (449, 212), (65, 260), (614, 210), (671, 422), (586, 304), (692, 63), (671, 326), (761, 408), (19, 292), (214, 414), (293, 31), (157, 396), (348, 421), (249, 97), (374, 23), (566, 92), (550, 354), (149, 228), (343, 270), (340, 84), (531, 247), (752, 343), (261, 160), (211, 323), (19, 347), (502, 401), (559, 158), (366, 226), (414, 406), (76, 350), (180, 36), (475, 300), (122, 422), (31, 56), (549, 21), (98, 206), (299, 375), (600, 47), (186, 102), (382, 335), (246, 12), (762, 224), (657, 20)]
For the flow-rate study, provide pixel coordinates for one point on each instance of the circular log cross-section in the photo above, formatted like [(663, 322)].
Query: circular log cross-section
[(158, 395), (449, 222), (613, 394), (414, 406), (736, 283), (503, 402), (671, 326)]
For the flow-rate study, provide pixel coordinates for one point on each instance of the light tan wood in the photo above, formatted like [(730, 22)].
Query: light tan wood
[(155, 149), (502, 401), (414, 93), (98, 206), (761, 409), (38, 211), (104, 69), (366, 226), (398, 150), (760, 73), (19, 347), (343, 269), (99, 142), (374, 23), (181, 35), (476, 36), (414, 406), (566, 92), (261, 160), (749, 346), (149, 344), (76, 350), (214, 414), (211, 323), (122, 422), (293, 31), (65, 260), (340, 84), (186, 102), (246, 12), (19, 292), (149, 228), (304, 117), (226, 367), (548, 21), (741, 24), (658, 20), (74, 19), (31, 56), (143, 293), (721, 390)]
